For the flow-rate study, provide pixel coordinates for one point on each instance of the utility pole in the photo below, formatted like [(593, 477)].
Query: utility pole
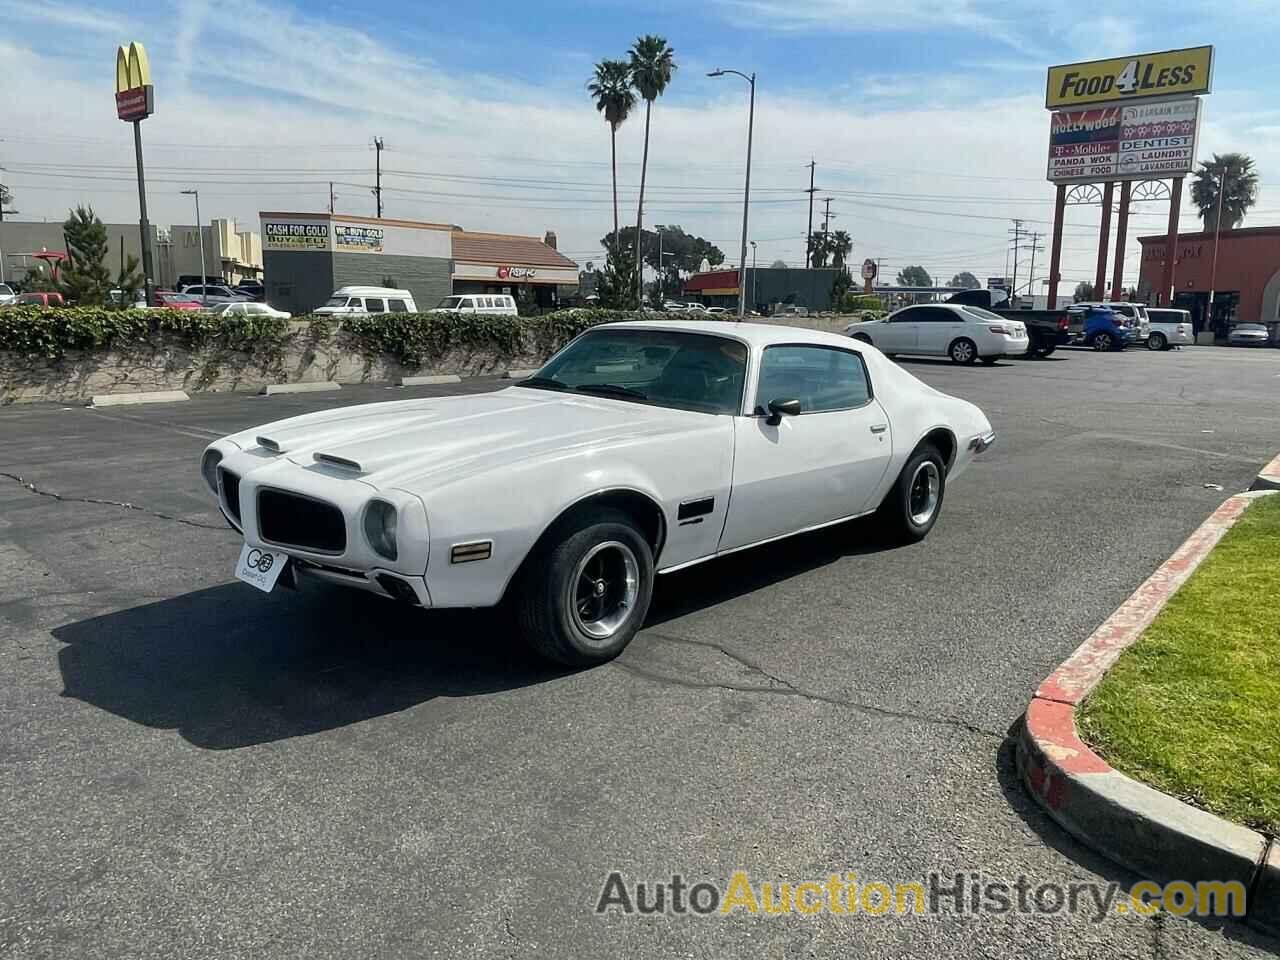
[(204, 277), (377, 190), (808, 238), (826, 217), (1031, 281), (1017, 237), (330, 196), (1213, 270)]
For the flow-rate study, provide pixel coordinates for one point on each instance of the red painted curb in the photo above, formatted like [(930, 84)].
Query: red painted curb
[(1129, 822)]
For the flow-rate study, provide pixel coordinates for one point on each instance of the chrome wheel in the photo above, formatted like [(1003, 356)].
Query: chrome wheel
[(602, 592), (1155, 342), (1102, 342), (926, 483), (962, 351)]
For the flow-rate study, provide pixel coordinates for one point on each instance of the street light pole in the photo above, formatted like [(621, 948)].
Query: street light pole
[(204, 276), (746, 191), (754, 279), (1217, 231)]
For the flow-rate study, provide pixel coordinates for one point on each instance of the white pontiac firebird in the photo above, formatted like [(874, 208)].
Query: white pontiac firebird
[(640, 448)]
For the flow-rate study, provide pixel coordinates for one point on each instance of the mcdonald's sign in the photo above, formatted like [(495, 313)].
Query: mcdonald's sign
[(134, 97)]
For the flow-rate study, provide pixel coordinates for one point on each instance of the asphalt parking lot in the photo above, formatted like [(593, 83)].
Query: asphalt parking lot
[(192, 768)]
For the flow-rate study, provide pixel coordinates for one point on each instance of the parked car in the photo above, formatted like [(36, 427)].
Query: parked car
[(249, 310), (7, 296), (1103, 329), (719, 312), (1046, 329), (360, 300), (168, 300), (39, 299), (644, 447), (965, 334), (1169, 328), (253, 289), (195, 280), (1249, 335), (478, 303), (672, 305), (213, 294), (116, 296), (1133, 315)]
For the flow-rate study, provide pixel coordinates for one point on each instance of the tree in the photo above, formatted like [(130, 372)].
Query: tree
[(682, 253), (914, 276), (840, 287), (779, 265), (611, 86), (652, 62), (1240, 194), (819, 249), (841, 244), (614, 283), (84, 277), (6, 200), (129, 280), (965, 280), (1084, 291)]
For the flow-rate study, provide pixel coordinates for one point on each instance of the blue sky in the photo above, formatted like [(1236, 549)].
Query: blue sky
[(925, 116)]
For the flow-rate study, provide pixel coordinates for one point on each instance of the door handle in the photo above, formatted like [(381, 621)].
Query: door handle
[(879, 427)]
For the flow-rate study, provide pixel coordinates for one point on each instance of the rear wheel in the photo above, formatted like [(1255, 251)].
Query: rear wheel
[(1047, 351), (863, 337), (1157, 341), (913, 504), (586, 593), (990, 361), (963, 350), (1102, 342)]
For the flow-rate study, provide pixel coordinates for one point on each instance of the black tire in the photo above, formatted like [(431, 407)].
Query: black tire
[(1157, 341), (544, 610), (963, 350), (1102, 342), (862, 337), (990, 361), (1046, 351), (897, 516)]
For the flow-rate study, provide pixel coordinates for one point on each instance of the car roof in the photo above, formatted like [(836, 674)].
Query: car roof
[(370, 291), (754, 334)]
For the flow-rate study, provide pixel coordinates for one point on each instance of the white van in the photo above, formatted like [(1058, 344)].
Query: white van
[(349, 300), (477, 303)]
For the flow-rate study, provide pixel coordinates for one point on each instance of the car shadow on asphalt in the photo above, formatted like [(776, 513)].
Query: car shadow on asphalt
[(1055, 837), (227, 667)]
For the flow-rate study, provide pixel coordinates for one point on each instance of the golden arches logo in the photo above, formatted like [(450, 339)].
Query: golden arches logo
[(134, 98)]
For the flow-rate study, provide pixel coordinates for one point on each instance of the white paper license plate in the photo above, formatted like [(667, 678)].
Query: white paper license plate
[(260, 568)]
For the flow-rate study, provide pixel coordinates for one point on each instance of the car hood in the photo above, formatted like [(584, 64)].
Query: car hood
[(439, 440)]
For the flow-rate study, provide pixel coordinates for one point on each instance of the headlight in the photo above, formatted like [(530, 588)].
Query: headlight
[(209, 469), (380, 528)]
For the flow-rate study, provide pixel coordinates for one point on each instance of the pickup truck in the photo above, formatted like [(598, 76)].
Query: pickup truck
[(1046, 329)]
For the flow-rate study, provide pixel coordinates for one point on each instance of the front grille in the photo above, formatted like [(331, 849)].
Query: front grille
[(231, 493), (290, 519)]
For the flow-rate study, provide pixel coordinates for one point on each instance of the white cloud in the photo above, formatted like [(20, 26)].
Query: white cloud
[(66, 16)]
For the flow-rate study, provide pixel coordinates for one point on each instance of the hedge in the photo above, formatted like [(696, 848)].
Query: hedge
[(411, 338)]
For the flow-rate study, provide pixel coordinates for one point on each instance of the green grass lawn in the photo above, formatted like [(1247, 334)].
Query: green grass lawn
[(1193, 708)]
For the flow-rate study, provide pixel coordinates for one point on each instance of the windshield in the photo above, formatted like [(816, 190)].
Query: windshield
[(336, 302), (668, 368), (449, 303)]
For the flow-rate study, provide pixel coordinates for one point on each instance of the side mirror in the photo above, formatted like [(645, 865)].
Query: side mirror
[(782, 408)]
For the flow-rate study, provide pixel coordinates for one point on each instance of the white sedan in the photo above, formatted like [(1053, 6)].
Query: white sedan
[(965, 334), (250, 310), (640, 448)]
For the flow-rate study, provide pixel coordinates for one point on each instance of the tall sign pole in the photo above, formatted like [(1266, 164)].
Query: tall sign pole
[(1055, 247), (1122, 236), (1104, 237), (1165, 299), (135, 101)]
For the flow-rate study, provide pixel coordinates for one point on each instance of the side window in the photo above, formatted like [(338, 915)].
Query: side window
[(375, 305), (912, 315), (821, 378), (470, 303), (397, 306), (355, 303)]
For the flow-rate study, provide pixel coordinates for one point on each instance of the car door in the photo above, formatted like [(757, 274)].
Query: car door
[(936, 328), (806, 470), (899, 332)]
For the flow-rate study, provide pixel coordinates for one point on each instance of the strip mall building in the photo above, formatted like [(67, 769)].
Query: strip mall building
[(306, 256), (1246, 282)]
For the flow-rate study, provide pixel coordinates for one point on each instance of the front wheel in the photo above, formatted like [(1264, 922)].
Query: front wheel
[(990, 361), (586, 593), (963, 351), (915, 500), (1157, 341)]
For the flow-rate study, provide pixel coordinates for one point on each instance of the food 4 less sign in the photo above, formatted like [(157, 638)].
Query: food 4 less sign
[(1174, 73)]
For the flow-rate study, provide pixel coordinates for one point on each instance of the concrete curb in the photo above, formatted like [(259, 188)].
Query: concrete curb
[(274, 389), (1268, 477), (1141, 828), (428, 380), (519, 374), (125, 399)]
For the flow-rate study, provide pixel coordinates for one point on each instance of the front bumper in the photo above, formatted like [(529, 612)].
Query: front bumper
[(983, 442)]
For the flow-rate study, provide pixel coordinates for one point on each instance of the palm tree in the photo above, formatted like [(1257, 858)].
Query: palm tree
[(611, 87), (1241, 193), (841, 245), (652, 64)]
